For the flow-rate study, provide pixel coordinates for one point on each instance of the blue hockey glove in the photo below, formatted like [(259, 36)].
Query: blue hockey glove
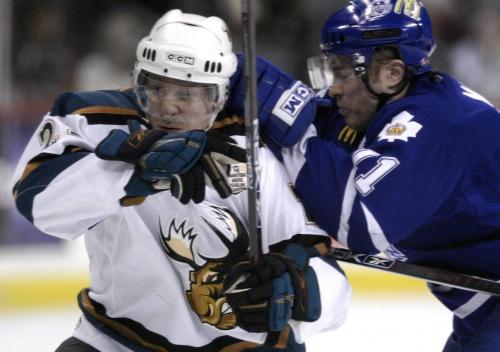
[(173, 154), (179, 161), (128, 147), (286, 106), (282, 286), (219, 152)]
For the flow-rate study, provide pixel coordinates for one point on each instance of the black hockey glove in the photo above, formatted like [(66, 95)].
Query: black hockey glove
[(180, 161), (281, 286)]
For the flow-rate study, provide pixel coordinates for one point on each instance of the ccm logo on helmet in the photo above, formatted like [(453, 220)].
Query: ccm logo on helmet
[(183, 59)]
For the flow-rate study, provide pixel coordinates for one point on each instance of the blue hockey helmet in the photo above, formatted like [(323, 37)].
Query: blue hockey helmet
[(363, 25)]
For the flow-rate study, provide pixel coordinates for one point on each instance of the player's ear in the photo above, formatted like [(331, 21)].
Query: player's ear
[(393, 73)]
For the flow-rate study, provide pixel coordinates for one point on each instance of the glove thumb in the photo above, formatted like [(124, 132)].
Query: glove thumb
[(133, 125), (298, 254), (109, 146)]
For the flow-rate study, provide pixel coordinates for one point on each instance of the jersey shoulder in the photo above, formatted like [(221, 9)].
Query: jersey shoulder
[(440, 96), (98, 105)]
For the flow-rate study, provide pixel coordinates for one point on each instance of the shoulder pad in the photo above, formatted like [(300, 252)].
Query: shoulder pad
[(99, 101)]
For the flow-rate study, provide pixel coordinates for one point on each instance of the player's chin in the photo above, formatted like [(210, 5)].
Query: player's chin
[(353, 121), (349, 119)]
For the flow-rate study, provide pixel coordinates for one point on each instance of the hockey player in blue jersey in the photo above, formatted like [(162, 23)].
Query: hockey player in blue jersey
[(392, 156)]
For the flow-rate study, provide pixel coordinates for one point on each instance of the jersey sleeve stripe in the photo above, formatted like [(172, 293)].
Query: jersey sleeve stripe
[(361, 154), (106, 110), (347, 205), (107, 115), (31, 166), (474, 303), (105, 119), (27, 171), (37, 180), (376, 233)]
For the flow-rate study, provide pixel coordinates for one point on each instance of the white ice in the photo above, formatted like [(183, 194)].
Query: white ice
[(382, 325), (386, 323)]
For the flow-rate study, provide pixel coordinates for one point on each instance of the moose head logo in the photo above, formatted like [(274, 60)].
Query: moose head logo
[(206, 296)]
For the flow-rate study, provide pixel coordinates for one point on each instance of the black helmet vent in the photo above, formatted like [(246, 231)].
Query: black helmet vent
[(212, 66), (381, 33)]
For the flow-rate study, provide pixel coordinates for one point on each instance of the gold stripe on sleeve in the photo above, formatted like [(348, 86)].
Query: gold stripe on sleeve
[(106, 110)]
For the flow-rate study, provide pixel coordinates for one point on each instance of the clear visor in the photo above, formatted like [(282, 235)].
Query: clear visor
[(176, 105), (326, 71)]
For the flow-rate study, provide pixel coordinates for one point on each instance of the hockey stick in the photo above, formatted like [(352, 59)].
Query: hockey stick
[(251, 129), (434, 275)]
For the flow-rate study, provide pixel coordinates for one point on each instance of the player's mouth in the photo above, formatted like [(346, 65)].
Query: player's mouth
[(168, 128), (172, 130), (343, 111)]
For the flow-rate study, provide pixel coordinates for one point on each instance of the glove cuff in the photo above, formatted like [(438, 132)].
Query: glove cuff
[(307, 300)]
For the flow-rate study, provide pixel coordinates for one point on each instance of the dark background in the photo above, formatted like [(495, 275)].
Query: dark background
[(56, 45)]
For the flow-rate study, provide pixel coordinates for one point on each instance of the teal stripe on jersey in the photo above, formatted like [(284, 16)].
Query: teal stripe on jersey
[(40, 178)]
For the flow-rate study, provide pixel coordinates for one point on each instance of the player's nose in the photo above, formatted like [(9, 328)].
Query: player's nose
[(170, 107), (335, 90)]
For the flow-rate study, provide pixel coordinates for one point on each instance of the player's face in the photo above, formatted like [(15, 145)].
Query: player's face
[(356, 104), (176, 105)]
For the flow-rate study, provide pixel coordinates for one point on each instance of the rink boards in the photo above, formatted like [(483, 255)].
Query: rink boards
[(53, 275)]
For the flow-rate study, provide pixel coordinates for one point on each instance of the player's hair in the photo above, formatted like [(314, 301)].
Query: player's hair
[(385, 54)]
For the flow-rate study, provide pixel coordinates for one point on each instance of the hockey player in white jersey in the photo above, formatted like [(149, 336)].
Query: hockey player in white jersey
[(100, 165)]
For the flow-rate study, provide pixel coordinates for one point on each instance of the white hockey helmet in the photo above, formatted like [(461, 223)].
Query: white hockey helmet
[(190, 48)]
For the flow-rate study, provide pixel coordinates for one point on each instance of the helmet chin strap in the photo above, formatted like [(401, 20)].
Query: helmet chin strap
[(382, 97)]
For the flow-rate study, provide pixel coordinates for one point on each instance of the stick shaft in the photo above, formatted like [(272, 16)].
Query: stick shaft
[(434, 275), (251, 129)]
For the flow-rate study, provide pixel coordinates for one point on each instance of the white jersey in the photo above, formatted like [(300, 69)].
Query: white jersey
[(156, 268)]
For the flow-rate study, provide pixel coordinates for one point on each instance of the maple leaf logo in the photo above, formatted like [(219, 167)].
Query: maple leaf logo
[(401, 127)]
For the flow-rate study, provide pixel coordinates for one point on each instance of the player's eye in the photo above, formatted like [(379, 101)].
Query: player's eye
[(154, 90), (344, 74), (183, 94)]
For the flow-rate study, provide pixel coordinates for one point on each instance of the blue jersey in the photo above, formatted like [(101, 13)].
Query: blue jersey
[(423, 185)]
